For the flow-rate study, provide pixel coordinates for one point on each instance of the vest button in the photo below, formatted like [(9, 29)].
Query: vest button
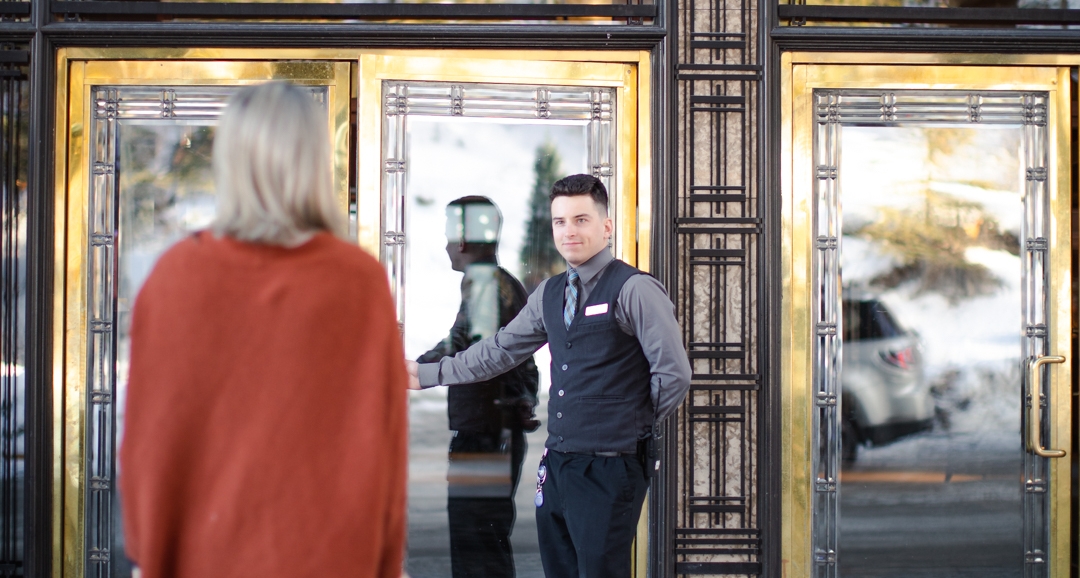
[(559, 415), (561, 393), (568, 345), (564, 367), (560, 438)]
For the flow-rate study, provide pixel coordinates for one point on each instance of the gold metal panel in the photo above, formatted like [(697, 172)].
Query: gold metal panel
[(933, 59), (627, 175), (644, 173), (932, 77), (72, 189), (488, 67), (639, 567), (801, 73), (1059, 322), (196, 72), (74, 327), (796, 317)]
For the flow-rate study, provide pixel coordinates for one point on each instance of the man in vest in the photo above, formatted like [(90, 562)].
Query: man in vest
[(617, 366)]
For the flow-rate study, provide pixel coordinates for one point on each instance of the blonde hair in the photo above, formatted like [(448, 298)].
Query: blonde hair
[(272, 167)]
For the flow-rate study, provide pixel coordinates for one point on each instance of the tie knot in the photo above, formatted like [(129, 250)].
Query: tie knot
[(571, 274)]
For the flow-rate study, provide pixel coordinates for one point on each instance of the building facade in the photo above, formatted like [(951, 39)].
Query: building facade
[(886, 187)]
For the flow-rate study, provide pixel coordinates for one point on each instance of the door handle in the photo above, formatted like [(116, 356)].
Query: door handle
[(1034, 443)]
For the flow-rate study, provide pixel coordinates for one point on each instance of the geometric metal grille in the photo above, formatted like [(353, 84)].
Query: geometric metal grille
[(592, 107), (14, 108), (925, 107), (834, 109), (101, 413), (718, 221)]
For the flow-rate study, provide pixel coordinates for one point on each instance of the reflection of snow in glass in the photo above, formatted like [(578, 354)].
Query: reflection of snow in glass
[(971, 345), (888, 167), (452, 158)]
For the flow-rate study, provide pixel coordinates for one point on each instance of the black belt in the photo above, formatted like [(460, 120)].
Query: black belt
[(606, 454)]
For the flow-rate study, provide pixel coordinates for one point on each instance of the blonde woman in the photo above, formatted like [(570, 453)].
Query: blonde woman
[(266, 415)]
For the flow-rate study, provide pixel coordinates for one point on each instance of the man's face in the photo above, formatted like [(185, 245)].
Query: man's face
[(456, 251), (580, 229)]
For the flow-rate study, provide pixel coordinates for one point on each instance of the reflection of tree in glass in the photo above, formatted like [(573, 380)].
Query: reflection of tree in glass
[(540, 258), (930, 243), (163, 166), (971, 157), (930, 246)]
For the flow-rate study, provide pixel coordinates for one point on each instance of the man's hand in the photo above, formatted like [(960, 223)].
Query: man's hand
[(414, 373)]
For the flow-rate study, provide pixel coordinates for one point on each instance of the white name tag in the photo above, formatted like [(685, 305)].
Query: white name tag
[(596, 309)]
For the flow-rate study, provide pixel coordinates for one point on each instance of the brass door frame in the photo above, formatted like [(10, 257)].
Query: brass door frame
[(629, 74), (74, 109), (801, 73), (81, 68)]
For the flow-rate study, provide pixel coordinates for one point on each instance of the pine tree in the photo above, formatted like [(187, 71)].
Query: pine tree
[(540, 258)]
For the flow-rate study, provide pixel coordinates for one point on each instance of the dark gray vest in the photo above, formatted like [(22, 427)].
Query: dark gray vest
[(600, 399)]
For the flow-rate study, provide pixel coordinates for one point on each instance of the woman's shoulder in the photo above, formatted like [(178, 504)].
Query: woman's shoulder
[(346, 254), (190, 247)]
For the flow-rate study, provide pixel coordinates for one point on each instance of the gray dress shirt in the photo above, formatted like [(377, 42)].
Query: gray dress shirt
[(643, 310)]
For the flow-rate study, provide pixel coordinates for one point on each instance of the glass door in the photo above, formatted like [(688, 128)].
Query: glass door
[(457, 156), (138, 179), (937, 302)]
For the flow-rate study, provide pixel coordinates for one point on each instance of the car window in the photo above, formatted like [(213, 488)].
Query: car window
[(868, 320)]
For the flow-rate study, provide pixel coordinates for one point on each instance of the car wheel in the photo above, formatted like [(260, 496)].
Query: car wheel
[(849, 441)]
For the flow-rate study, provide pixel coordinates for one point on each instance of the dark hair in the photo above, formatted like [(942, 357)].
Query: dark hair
[(472, 199), (477, 220), (575, 185)]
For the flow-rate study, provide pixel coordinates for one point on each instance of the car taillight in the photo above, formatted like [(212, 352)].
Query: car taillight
[(903, 358)]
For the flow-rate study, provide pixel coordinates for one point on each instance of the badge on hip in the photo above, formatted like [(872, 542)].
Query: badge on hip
[(541, 477)]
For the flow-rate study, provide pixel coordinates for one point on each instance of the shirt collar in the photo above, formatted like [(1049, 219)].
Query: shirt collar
[(594, 265)]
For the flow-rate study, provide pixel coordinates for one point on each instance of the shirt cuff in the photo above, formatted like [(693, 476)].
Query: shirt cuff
[(428, 374)]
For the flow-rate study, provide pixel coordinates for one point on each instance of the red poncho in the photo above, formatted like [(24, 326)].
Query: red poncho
[(265, 429)]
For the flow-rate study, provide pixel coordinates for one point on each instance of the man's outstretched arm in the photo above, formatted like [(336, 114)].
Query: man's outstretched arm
[(493, 356)]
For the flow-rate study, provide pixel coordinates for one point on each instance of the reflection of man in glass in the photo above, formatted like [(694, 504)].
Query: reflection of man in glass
[(489, 418)]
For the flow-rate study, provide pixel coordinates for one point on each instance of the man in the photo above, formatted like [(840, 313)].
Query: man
[(489, 418), (617, 367)]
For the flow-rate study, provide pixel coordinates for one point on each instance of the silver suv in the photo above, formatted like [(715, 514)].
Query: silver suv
[(885, 392)]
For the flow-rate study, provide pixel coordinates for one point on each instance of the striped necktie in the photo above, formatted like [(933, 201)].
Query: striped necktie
[(571, 296)]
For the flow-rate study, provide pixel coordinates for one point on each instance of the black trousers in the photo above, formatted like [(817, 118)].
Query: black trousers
[(480, 525), (589, 516)]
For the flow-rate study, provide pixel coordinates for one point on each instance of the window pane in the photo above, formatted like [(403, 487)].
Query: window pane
[(14, 115)]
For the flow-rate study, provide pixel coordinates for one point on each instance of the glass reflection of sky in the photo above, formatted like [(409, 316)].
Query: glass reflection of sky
[(892, 168), (451, 158)]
